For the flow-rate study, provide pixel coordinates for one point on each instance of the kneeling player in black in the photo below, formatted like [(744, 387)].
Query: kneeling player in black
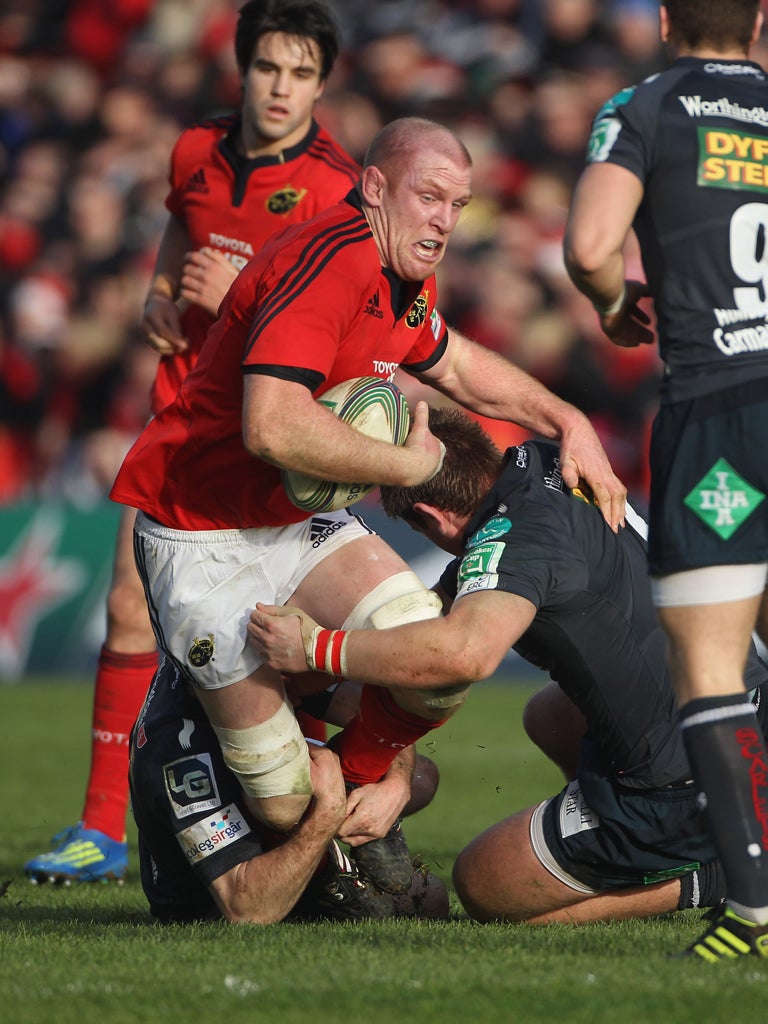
[(537, 569), (203, 856)]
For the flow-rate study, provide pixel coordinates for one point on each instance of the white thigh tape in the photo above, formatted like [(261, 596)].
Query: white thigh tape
[(399, 599), (270, 759)]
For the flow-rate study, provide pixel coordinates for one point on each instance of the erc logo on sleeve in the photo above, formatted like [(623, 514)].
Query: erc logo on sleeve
[(723, 500), (478, 569), (205, 837), (604, 134), (606, 127), (436, 323), (728, 159)]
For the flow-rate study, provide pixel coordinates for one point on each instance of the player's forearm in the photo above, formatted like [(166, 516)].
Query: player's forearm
[(327, 451), (593, 257), (418, 655), (265, 889), (284, 425), (600, 218), (603, 285), (403, 765), (170, 260), (400, 774), (490, 385), (458, 649)]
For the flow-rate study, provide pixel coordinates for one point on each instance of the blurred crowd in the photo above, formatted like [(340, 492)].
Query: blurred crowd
[(93, 96)]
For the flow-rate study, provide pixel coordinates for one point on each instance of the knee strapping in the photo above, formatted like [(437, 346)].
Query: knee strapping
[(401, 598), (270, 759), (398, 600)]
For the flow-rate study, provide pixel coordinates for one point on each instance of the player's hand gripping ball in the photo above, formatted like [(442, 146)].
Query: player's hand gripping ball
[(373, 406)]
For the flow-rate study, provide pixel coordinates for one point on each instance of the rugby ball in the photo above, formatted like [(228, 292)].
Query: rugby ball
[(375, 407)]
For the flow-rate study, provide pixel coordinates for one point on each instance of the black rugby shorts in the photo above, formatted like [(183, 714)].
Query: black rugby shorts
[(709, 481)]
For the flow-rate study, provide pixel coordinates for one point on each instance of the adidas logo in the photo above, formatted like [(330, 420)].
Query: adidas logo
[(372, 307), (197, 182), (320, 530)]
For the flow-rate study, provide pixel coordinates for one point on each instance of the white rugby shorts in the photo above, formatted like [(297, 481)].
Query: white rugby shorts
[(201, 586)]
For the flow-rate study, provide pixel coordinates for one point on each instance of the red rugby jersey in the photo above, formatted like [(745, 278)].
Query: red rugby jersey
[(315, 306), (234, 204)]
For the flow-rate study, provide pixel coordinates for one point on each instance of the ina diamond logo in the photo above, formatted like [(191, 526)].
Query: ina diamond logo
[(723, 500)]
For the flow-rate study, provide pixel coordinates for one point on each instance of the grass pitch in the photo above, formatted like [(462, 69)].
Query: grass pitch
[(91, 954)]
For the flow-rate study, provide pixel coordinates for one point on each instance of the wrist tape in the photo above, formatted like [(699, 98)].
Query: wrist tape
[(326, 651), (614, 306)]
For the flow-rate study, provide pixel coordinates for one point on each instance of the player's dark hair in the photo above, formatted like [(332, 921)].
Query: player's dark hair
[(471, 465), (715, 23), (305, 19)]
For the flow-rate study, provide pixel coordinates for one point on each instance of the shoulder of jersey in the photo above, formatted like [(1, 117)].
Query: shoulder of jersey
[(325, 149), (199, 141), (660, 83), (219, 125), (332, 234)]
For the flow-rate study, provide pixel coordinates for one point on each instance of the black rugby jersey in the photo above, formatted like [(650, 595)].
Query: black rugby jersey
[(188, 806), (697, 138), (595, 630)]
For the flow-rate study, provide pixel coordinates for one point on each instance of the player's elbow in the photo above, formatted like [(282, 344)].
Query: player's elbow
[(248, 894), (247, 908), (583, 254), (262, 443), (260, 917), (473, 663), (580, 259)]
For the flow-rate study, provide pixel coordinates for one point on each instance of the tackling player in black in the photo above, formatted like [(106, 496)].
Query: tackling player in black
[(203, 856), (683, 158), (538, 569)]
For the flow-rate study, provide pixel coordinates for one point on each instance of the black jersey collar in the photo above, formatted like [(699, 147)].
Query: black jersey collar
[(504, 494), (245, 164), (715, 66)]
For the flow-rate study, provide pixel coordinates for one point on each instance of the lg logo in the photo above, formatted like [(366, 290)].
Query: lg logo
[(193, 784)]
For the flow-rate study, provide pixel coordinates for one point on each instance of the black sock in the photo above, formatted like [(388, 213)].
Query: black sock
[(704, 887), (728, 758)]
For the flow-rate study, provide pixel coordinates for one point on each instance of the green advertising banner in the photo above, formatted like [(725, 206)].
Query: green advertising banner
[(55, 570)]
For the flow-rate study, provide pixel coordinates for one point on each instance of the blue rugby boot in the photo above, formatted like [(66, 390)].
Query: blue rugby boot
[(80, 855)]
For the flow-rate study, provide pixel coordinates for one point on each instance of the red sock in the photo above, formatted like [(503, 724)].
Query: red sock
[(368, 744), (122, 681)]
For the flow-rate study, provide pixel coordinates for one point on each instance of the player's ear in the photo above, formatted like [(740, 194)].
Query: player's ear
[(372, 185), (430, 520), (663, 24), (756, 31)]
